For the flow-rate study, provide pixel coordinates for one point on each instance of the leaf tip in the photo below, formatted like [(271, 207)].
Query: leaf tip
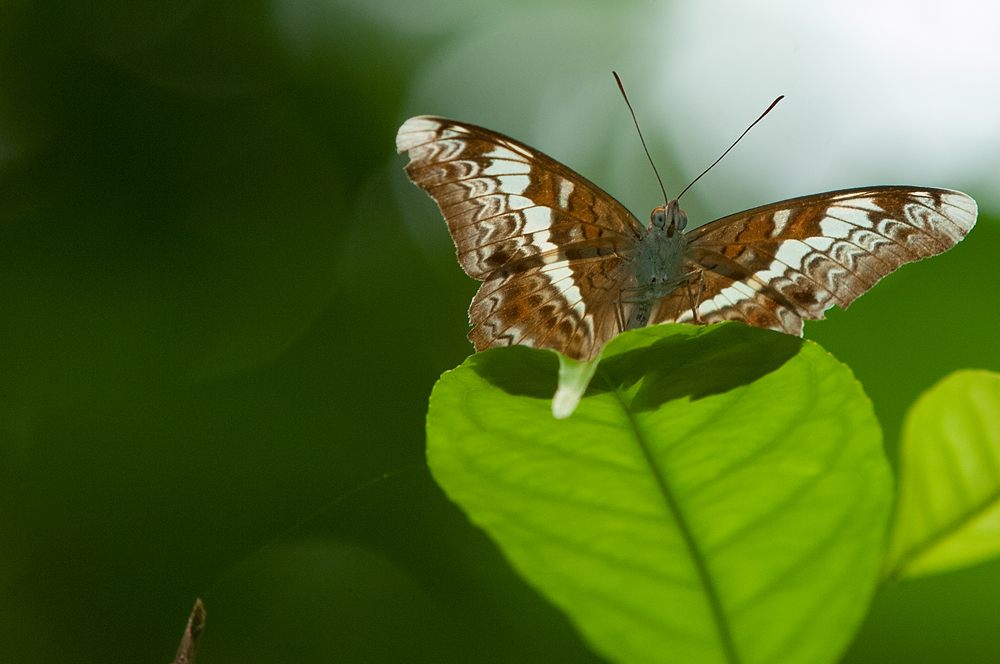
[(574, 378)]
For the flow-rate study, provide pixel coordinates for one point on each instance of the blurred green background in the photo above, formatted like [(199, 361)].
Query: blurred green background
[(222, 309)]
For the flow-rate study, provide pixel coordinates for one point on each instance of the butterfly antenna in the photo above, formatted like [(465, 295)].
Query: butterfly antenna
[(622, 88), (773, 104)]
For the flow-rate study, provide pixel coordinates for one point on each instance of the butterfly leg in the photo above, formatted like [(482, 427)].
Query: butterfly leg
[(646, 293), (638, 311), (696, 301), (619, 313)]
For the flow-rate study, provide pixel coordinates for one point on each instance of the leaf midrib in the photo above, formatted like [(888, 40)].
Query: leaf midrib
[(701, 566)]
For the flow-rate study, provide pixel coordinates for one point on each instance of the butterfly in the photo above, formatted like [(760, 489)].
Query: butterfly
[(565, 266)]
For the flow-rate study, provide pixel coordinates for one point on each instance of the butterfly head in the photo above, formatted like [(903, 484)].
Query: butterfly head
[(671, 218)]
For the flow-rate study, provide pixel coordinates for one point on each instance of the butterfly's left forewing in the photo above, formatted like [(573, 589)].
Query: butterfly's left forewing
[(550, 246), (776, 265)]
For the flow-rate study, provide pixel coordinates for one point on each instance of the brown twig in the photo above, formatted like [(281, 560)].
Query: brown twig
[(189, 643)]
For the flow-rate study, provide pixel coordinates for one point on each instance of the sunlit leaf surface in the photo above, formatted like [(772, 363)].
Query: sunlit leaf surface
[(719, 495)]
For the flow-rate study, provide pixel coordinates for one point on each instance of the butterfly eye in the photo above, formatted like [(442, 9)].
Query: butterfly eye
[(682, 221), (658, 218)]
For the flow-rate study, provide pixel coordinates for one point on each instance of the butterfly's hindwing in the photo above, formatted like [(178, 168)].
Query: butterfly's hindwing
[(565, 266), (547, 306)]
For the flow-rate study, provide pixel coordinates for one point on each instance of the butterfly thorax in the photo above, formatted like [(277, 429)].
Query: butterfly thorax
[(657, 265)]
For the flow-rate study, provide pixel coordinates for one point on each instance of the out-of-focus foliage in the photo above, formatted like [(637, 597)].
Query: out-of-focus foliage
[(222, 307), (948, 511), (201, 257)]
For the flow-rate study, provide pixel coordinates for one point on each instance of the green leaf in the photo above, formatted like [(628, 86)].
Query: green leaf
[(574, 378), (948, 515), (719, 495)]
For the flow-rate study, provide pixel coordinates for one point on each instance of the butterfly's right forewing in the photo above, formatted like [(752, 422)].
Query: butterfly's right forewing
[(550, 246)]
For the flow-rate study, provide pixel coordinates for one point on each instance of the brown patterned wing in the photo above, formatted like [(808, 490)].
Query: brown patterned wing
[(551, 248), (776, 265)]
